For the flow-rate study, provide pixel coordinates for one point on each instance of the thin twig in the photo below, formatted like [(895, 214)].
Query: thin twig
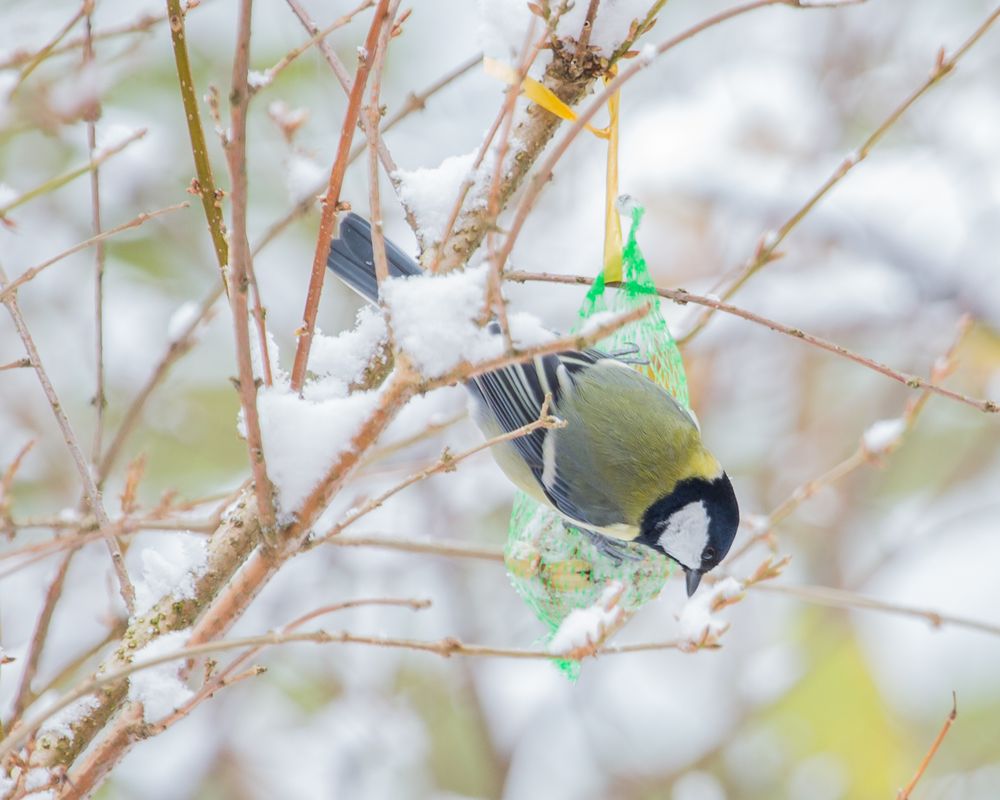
[(7, 481), (374, 114), (446, 463), (818, 595), (412, 103), (240, 257), (418, 101), (228, 675), (294, 53), (344, 79), (85, 9), (331, 200), (495, 303), (588, 25), (24, 696), (841, 598), (93, 114), (445, 648), (61, 180), (682, 296), (178, 346), (861, 455), (18, 58), (83, 468), (432, 429), (545, 170), (767, 247), (135, 222), (641, 28), (434, 547), (227, 550), (578, 341), (904, 794), (204, 183), (222, 681), (443, 260), (21, 363)]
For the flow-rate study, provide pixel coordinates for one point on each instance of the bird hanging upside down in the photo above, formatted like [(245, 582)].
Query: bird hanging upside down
[(629, 465)]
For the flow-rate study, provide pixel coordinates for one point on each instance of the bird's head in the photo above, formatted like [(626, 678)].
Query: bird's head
[(694, 525)]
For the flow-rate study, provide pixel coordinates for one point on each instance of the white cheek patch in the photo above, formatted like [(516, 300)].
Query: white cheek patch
[(685, 534)]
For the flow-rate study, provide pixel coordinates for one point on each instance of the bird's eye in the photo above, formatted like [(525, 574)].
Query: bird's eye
[(709, 554)]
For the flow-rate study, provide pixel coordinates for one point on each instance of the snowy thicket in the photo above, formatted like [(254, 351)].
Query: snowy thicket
[(722, 140)]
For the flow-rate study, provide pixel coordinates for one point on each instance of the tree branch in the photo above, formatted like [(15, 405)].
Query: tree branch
[(79, 459), (904, 794), (682, 297), (204, 184), (240, 268), (767, 247), (331, 200)]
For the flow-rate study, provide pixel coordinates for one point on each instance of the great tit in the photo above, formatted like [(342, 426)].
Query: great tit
[(629, 464)]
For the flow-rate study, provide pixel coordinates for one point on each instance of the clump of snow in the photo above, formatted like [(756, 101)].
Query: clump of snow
[(503, 27), (597, 320), (80, 89), (273, 353), (37, 778), (993, 386), (7, 784), (258, 80), (305, 177), (112, 135), (60, 724), (697, 785), (170, 567), (698, 619), (70, 515), (7, 194), (431, 192), (287, 118), (183, 316), (526, 330), (159, 688), (584, 627), (435, 319), (339, 361), (303, 438), (883, 435), (611, 25), (647, 54)]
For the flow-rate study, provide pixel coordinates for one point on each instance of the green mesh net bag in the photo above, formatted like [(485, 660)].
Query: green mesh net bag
[(553, 566)]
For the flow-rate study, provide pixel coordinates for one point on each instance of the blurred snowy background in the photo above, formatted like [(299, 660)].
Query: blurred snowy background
[(722, 140)]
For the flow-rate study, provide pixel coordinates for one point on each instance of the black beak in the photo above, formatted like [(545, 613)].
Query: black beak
[(693, 579)]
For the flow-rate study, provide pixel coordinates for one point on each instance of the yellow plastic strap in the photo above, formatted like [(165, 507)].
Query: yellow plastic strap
[(612, 223), (543, 96), (537, 93)]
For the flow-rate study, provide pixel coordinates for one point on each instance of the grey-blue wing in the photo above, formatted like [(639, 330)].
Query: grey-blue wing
[(513, 397), (352, 257)]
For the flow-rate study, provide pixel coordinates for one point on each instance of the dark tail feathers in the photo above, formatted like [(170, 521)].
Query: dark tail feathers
[(353, 261)]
